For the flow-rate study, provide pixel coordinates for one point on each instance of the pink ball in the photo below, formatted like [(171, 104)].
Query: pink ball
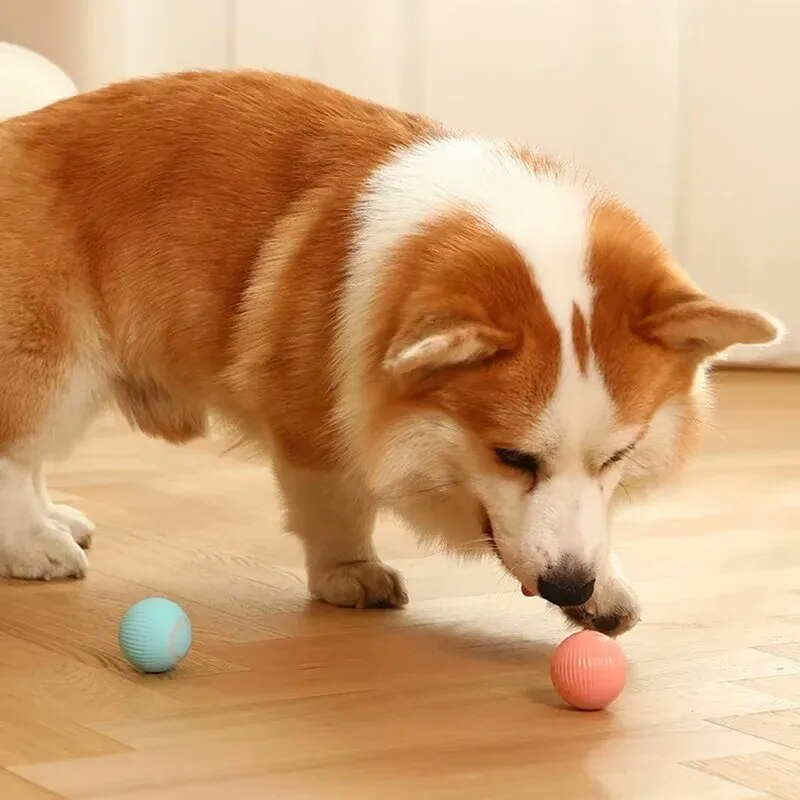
[(588, 670)]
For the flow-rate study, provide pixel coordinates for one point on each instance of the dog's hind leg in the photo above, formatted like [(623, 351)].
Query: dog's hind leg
[(51, 384), (53, 368)]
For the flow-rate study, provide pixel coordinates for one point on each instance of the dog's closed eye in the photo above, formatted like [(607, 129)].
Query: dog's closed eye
[(519, 460), (617, 457)]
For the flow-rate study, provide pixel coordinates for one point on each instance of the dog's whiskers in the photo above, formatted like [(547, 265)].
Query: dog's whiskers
[(432, 489), (469, 546)]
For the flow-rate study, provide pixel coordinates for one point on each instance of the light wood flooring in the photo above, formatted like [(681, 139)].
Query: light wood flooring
[(282, 698)]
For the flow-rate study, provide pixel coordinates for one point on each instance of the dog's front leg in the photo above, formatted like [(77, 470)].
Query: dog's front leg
[(334, 520), (614, 607)]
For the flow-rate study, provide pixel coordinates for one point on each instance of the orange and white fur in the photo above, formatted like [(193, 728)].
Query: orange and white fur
[(463, 331)]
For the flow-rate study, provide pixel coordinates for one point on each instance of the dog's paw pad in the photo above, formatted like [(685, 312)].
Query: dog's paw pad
[(360, 584)]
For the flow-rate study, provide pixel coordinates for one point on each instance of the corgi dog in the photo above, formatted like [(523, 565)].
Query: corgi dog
[(466, 332)]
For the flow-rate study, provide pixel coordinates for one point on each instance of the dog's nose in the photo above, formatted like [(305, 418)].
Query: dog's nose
[(566, 591)]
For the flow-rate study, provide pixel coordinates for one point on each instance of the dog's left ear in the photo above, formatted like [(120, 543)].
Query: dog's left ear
[(705, 327), (433, 344)]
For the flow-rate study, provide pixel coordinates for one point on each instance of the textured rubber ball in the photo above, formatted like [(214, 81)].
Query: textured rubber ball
[(588, 670), (155, 634)]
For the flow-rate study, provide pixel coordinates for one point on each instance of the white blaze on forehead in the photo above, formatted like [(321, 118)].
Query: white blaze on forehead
[(580, 417)]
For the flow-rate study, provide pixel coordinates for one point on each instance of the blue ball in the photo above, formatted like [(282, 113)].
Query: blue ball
[(155, 634)]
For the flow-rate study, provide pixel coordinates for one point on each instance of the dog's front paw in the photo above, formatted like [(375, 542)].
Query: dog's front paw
[(359, 584), (46, 550), (613, 609)]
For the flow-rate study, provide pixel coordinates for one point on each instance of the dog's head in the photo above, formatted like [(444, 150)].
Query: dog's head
[(525, 356)]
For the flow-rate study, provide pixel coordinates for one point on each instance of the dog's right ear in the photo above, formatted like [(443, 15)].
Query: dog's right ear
[(704, 327), (431, 344)]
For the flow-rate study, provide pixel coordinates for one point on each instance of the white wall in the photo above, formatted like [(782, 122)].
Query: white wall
[(739, 202), (360, 46), (99, 41), (688, 109)]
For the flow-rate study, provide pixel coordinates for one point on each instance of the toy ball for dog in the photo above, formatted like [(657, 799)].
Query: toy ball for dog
[(155, 634), (588, 670)]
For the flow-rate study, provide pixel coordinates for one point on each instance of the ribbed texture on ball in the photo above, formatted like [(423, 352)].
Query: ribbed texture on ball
[(588, 670), (155, 634)]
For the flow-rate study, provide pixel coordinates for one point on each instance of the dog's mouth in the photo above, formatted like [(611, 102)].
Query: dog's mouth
[(488, 532)]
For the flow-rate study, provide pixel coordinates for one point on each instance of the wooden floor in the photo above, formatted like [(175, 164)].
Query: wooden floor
[(281, 698)]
